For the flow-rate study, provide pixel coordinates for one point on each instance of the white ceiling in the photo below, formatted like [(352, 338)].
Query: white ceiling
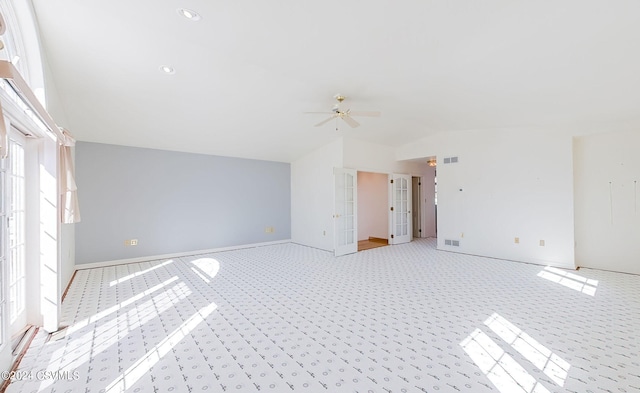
[(248, 69)]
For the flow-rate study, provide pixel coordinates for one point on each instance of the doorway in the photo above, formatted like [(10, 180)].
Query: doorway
[(435, 203), (428, 198), (364, 214), (13, 244), (416, 206), (373, 204)]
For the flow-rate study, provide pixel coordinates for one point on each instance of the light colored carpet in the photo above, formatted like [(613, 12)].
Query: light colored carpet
[(283, 318)]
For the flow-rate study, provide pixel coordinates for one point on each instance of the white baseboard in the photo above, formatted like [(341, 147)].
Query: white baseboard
[(533, 261), (175, 255)]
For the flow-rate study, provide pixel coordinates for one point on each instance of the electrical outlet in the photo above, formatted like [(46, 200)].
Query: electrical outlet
[(131, 242), (541, 243), (516, 240), (462, 234), (269, 230)]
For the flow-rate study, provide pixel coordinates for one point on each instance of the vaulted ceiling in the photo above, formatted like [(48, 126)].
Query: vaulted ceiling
[(247, 70)]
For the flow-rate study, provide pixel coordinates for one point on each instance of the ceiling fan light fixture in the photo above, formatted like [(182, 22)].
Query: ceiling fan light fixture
[(432, 162), (189, 14), (337, 113), (167, 69)]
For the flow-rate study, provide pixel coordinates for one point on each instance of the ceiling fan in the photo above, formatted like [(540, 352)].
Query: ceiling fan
[(338, 113)]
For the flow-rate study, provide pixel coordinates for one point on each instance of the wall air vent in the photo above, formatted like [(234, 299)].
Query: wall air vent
[(454, 243), (450, 160), (447, 242)]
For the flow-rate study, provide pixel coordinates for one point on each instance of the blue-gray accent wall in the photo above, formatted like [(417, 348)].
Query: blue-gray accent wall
[(175, 202)]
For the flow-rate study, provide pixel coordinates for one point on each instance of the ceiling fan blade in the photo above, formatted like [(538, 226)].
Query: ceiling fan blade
[(347, 119), (317, 113), (365, 113), (326, 120)]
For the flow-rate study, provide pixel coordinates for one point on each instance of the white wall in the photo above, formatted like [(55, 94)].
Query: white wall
[(33, 222), (371, 157), (312, 188), (67, 231), (373, 205), (312, 196), (56, 109), (607, 201), (507, 184), (49, 266)]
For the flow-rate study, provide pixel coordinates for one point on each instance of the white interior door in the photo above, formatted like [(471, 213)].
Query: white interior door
[(346, 210), (400, 187)]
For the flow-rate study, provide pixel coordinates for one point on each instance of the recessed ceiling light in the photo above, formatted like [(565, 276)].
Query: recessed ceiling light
[(167, 69), (189, 14)]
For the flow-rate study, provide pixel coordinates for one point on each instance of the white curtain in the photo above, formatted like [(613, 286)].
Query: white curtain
[(69, 210)]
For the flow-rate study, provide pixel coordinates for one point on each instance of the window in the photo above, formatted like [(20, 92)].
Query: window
[(3, 238), (16, 214), (21, 48), (13, 50)]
